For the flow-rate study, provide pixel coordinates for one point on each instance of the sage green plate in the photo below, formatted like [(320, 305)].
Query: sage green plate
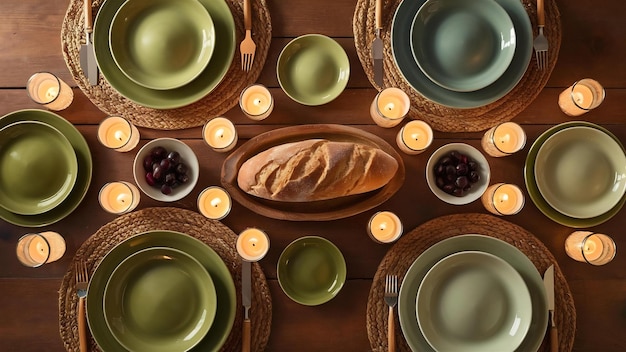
[(83, 177), (222, 280), (463, 45), (471, 242), (313, 69), (159, 299), (537, 198), (311, 270), (473, 301), (162, 44), (221, 60), (38, 167)]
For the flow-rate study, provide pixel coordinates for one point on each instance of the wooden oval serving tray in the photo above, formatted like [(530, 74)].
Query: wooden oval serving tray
[(322, 210)]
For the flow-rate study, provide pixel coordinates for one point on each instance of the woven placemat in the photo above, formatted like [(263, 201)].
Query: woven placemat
[(443, 118), (219, 237), (402, 254), (220, 100)]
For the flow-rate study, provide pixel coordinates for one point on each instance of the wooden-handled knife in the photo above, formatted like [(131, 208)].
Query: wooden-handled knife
[(548, 283), (377, 46), (87, 54), (246, 301)]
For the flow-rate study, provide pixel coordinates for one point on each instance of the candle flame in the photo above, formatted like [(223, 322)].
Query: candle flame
[(119, 135), (215, 202), (383, 226), (415, 136), (505, 139), (219, 133), (390, 106)]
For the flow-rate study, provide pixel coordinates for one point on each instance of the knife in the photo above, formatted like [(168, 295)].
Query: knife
[(87, 54), (377, 46), (246, 301), (548, 283)]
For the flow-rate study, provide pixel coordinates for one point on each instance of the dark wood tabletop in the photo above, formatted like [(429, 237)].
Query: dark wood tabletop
[(593, 46)]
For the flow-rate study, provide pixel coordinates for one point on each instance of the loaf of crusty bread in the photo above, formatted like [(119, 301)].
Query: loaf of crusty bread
[(316, 169)]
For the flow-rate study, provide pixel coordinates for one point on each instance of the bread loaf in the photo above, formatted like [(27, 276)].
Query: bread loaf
[(316, 169)]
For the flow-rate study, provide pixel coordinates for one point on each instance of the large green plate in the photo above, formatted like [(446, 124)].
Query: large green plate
[(537, 198), (167, 99), (414, 276), (224, 286), (83, 178)]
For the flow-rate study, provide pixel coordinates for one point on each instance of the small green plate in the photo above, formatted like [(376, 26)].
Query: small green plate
[(313, 69), (311, 270), (174, 98), (159, 299), (38, 167), (83, 177), (162, 44), (211, 261)]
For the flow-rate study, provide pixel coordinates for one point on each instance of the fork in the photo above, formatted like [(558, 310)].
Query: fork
[(82, 281), (391, 298), (247, 46), (541, 43)]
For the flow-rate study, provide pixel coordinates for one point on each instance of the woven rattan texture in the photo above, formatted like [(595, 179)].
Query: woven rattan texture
[(219, 237), (402, 254), (220, 100), (443, 118)]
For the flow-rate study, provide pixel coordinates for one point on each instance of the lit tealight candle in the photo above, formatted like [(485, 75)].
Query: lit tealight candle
[(384, 227), (49, 90), (414, 137), (252, 244), (503, 199), (220, 134), (504, 139), (36, 249), (119, 197), (581, 97), (256, 102), (590, 247), (389, 107), (118, 133), (214, 203)]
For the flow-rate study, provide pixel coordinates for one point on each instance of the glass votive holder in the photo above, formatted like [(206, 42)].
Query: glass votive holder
[(35, 249), (503, 199), (119, 134), (252, 244), (49, 90), (582, 96), (119, 197), (414, 137), (256, 102), (389, 107), (220, 134), (214, 203), (590, 247), (384, 227), (504, 139)]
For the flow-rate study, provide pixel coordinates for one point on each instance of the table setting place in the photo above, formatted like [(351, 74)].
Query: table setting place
[(168, 278)]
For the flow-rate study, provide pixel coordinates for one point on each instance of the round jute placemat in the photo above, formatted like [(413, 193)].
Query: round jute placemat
[(216, 103), (402, 254), (444, 118), (219, 237)]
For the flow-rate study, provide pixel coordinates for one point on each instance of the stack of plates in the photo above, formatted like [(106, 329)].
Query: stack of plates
[(164, 54), (161, 291), (459, 53), (473, 293), (575, 174), (45, 168)]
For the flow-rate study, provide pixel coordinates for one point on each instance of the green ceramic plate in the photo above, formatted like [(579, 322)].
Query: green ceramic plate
[(224, 286), (473, 301), (463, 45), (83, 177), (403, 57), (159, 299), (581, 172), (162, 44), (537, 198), (414, 276), (311, 270), (38, 167), (167, 99), (313, 69)]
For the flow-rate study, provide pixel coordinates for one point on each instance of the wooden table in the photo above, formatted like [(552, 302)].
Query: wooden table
[(593, 46)]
